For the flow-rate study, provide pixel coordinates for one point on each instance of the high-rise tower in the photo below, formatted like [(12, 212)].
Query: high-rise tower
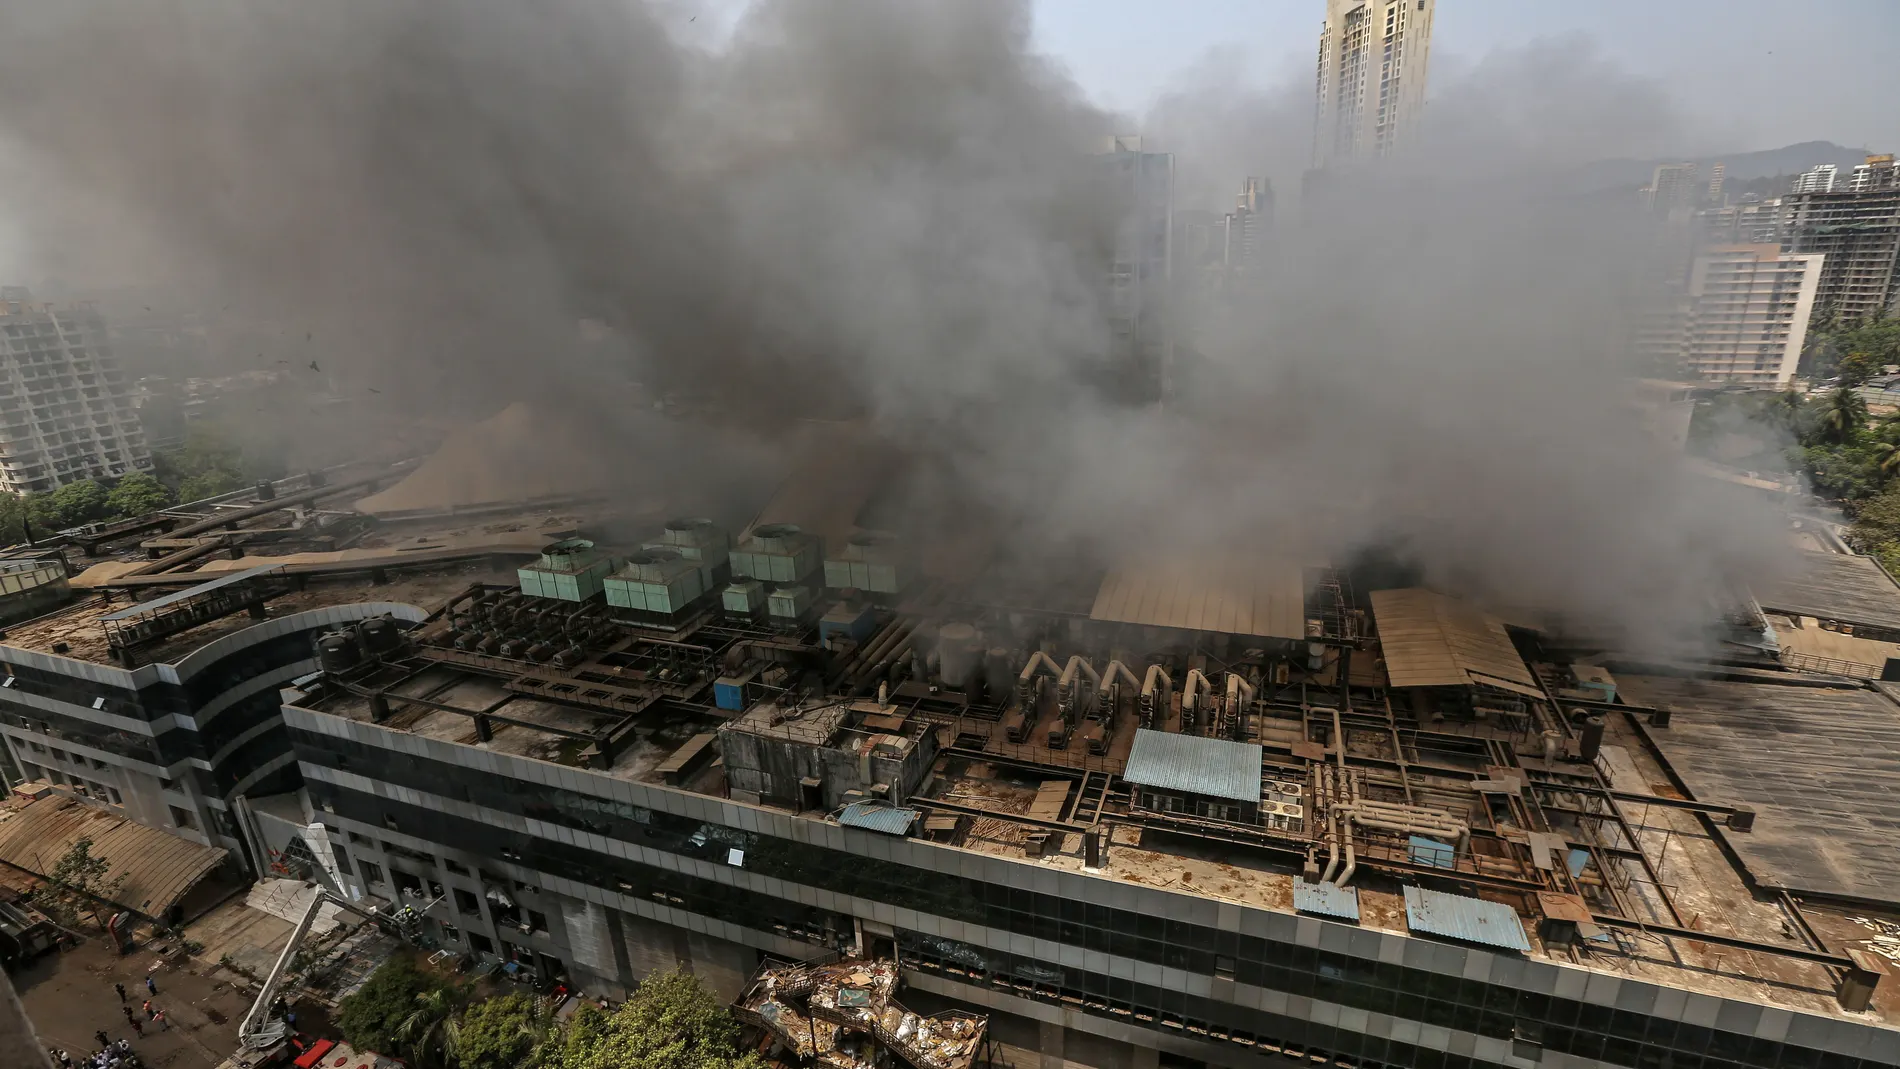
[(1371, 82)]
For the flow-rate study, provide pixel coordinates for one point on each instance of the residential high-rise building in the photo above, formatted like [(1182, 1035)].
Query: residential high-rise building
[(1858, 230), (1141, 187), (1878, 173), (1370, 88), (1818, 180), (1748, 313), (1247, 225), (1716, 174), (1674, 188), (1754, 222), (66, 410)]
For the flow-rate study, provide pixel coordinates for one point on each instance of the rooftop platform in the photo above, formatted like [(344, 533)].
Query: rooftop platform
[(1821, 766), (1842, 587), (80, 627)]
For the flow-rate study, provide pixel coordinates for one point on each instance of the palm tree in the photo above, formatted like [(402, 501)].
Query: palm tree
[(1887, 456), (1844, 412), (428, 1034)]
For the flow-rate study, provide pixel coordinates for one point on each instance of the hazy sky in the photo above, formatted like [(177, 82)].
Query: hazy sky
[(1756, 73)]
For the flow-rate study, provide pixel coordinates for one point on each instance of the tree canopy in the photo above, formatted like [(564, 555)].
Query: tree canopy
[(501, 1033), (374, 1017), (136, 495), (671, 1022)]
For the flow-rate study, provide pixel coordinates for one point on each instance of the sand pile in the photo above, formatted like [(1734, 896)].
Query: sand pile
[(520, 453)]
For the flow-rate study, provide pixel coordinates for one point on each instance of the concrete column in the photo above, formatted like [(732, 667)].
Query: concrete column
[(1051, 1044)]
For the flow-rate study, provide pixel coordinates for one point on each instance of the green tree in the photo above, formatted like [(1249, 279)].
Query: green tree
[(1876, 527), (500, 1033), (1857, 367), (136, 495), (79, 882), (671, 1022), (209, 484), (71, 505), (1842, 414), (373, 1017), (12, 518), (585, 1030), (429, 1035)]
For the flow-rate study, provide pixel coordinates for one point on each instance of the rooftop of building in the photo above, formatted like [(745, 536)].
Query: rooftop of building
[(305, 547)]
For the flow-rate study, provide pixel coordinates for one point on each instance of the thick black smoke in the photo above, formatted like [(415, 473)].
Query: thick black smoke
[(884, 211)]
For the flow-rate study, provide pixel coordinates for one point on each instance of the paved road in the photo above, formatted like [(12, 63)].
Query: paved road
[(69, 996)]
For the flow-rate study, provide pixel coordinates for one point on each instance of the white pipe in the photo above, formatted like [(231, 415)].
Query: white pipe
[(1332, 826), (1190, 691), (1035, 659), (1156, 672), (1075, 662), (1116, 668), (1352, 863)]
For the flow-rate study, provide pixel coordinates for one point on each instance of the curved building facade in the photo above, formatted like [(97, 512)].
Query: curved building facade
[(170, 744)]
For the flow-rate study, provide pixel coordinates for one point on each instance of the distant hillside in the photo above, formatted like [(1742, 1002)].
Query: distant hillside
[(1740, 166)]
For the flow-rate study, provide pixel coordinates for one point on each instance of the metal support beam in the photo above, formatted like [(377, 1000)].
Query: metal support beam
[(1834, 961)]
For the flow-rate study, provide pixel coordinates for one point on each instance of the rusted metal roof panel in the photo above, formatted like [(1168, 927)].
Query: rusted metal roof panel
[(1430, 640), (159, 868), (1471, 920), (1234, 595)]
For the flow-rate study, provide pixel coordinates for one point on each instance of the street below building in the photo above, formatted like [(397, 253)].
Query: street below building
[(69, 997)]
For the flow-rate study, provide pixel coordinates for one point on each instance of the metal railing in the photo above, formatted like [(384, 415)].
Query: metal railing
[(1806, 662)]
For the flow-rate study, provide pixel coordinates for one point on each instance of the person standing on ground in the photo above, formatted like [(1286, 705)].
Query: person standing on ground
[(128, 1013), (138, 1028), (120, 988), (148, 1009), (163, 1024), (150, 987), (104, 1040)]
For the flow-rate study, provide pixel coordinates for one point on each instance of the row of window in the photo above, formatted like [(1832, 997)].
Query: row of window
[(1413, 994), (93, 789), (1120, 999)]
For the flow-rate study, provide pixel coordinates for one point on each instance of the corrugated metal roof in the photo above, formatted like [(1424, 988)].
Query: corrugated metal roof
[(1213, 767), (1837, 586), (878, 816), (1430, 640), (1234, 595), (159, 868), (1326, 900), (191, 592), (1821, 766), (1471, 920)]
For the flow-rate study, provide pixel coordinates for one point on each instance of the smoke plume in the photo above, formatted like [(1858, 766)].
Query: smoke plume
[(884, 212)]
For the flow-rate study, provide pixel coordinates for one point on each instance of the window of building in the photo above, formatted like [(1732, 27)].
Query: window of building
[(467, 904), (182, 817), (58, 777), (37, 748), (342, 859), (372, 874), (96, 763), (360, 840), (456, 867), (32, 771), (451, 934), (59, 754), (481, 943), (537, 921)]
